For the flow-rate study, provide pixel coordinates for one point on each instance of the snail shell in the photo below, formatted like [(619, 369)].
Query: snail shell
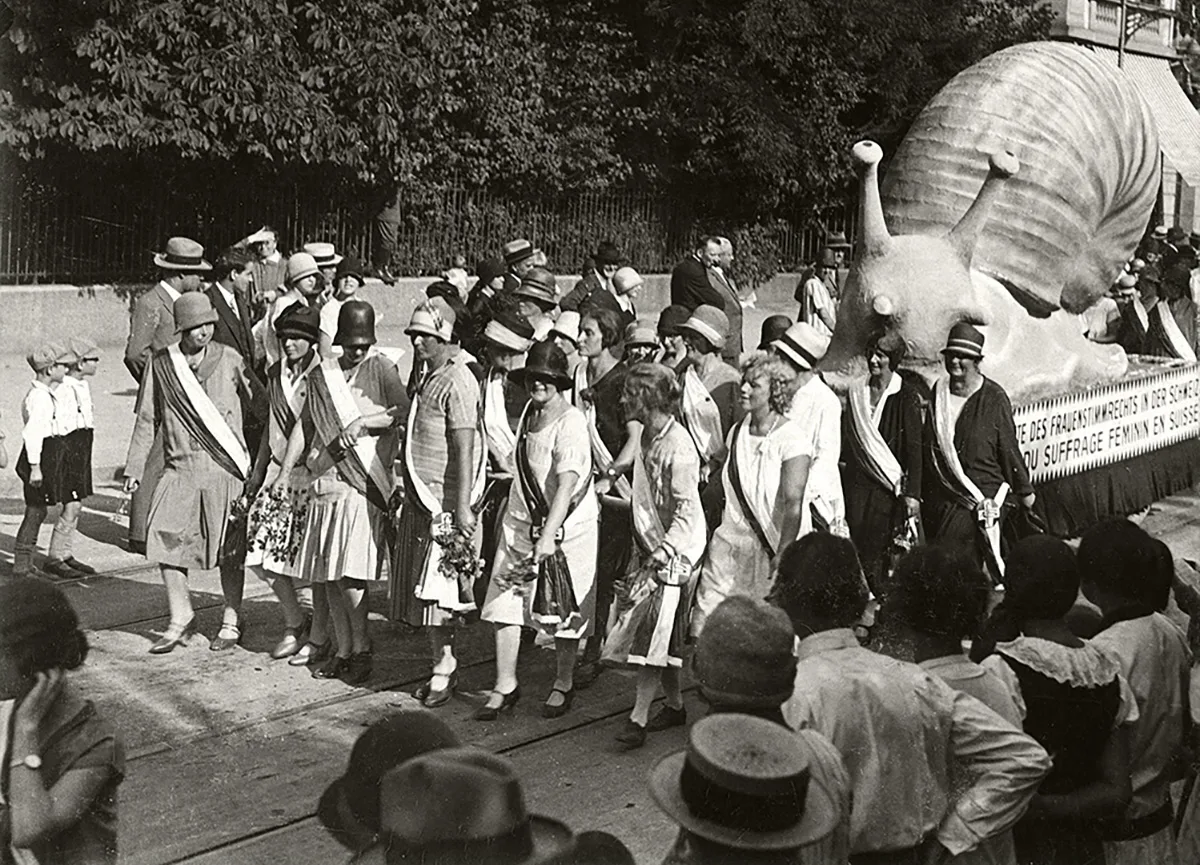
[(1089, 155)]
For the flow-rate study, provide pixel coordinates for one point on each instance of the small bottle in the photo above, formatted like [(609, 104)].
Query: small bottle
[(121, 515)]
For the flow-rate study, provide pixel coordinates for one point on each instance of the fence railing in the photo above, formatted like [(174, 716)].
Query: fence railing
[(83, 222)]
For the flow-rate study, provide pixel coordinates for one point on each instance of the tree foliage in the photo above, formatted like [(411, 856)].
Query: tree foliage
[(748, 106)]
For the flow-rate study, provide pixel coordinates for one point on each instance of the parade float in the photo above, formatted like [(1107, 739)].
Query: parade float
[(1013, 203)]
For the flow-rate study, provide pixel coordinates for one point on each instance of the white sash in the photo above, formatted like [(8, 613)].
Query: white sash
[(601, 455), (501, 440), (702, 417), (749, 470), (292, 393), (208, 413), (881, 463), (987, 511), (1175, 338), (1143, 316), (348, 412)]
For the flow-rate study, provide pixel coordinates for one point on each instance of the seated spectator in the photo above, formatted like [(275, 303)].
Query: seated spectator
[(900, 730), (1073, 701), (1121, 577), (349, 808), (747, 791), (63, 762)]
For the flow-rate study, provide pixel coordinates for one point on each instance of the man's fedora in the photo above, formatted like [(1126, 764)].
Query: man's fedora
[(184, 254)]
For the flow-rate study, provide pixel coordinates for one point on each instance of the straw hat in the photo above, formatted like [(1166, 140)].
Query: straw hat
[(802, 345), (516, 251), (183, 254), (324, 254), (434, 318), (509, 331), (837, 240)]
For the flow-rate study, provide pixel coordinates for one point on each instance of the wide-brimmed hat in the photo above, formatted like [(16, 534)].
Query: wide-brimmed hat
[(743, 656), (802, 345), (48, 354), (538, 284), (30, 609), (1159, 233), (710, 323), (356, 324), (1175, 234), (456, 805), (324, 254), (964, 341), (193, 309), (182, 253), (546, 360), (349, 266), (637, 333), (300, 265), (837, 240), (434, 317), (516, 251), (509, 331), (745, 782), (773, 328), (671, 319), (301, 321), (349, 808), (567, 325)]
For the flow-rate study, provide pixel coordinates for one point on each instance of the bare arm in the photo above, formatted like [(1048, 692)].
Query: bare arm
[(557, 515), (793, 478), (462, 452), (291, 456), (623, 461)]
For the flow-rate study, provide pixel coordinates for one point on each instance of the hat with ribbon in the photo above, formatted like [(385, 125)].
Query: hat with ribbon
[(516, 251), (837, 240), (324, 254), (710, 323), (802, 345), (300, 321), (1160, 232), (773, 328), (457, 805), (182, 253), (964, 341), (637, 334), (193, 309), (743, 656), (671, 319), (746, 783), (48, 354), (545, 361), (539, 285), (509, 331), (434, 318), (356, 324), (349, 808), (567, 326), (299, 266)]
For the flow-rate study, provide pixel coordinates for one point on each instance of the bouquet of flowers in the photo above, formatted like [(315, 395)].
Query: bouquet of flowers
[(458, 561)]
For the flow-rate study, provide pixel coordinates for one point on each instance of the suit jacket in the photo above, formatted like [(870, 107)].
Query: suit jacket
[(590, 291), (577, 295), (233, 329), (732, 305), (151, 327), (690, 286)]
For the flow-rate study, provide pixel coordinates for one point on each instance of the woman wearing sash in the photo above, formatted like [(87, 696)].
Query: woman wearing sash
[(597, 392), (883, 442), (552, 509), (353, 405), (764, 479), (194, 391), (650, 617), (1171, 328), (276, 516), (506, 338), (975, 466)]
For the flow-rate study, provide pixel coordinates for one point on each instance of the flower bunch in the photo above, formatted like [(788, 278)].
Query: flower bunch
[(458, 560), (521, 577)]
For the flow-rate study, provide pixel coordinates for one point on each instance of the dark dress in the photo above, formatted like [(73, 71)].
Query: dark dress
[(875, 513)]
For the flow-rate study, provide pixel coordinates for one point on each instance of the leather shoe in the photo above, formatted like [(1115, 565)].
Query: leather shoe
[(665, 718), (293, 640), (586, 673), (431, 698), (331, 669), (632, 735), (226, 638), (550, 710), (508, 702), (62, 570), (311, 653), (357, 669), (176, 635), (80, 566)]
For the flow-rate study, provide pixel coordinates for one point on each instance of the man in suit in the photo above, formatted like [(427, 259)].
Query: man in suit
[(597, 279), (518, 261), (721, 277), (152, 327), (230, 296)]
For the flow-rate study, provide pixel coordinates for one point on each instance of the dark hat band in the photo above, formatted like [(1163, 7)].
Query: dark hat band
[(172, 258), (734, 809), (510, 847), (804, 354)]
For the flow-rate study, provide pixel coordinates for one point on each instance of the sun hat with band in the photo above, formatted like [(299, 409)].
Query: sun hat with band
[(433, 318), (459, 805), (964, 340), (710, 323), (545, 361), (182, 253), (509, 331), (567, 326), (300, 265), (356, 324), (300, 321), (802, 345), (837, 240), (193, 309), (746, 783), (349, 807), (516, 251), (48, 354), (324, 254), (539, 285)]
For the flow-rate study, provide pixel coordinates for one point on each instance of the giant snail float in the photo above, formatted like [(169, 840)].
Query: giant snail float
[(1013, 203)]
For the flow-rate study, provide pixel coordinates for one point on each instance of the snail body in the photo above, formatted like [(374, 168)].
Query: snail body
[(1015, 198)]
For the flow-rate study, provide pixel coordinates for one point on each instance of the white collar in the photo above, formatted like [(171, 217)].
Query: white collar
[(171, 293)]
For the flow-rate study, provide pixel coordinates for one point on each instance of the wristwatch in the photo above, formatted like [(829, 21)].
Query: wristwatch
[(29, 761)]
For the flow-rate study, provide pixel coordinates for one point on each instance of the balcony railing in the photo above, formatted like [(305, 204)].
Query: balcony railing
[(1104, 16)]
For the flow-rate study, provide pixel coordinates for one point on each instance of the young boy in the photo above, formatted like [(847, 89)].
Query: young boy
[(1122, 573)]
